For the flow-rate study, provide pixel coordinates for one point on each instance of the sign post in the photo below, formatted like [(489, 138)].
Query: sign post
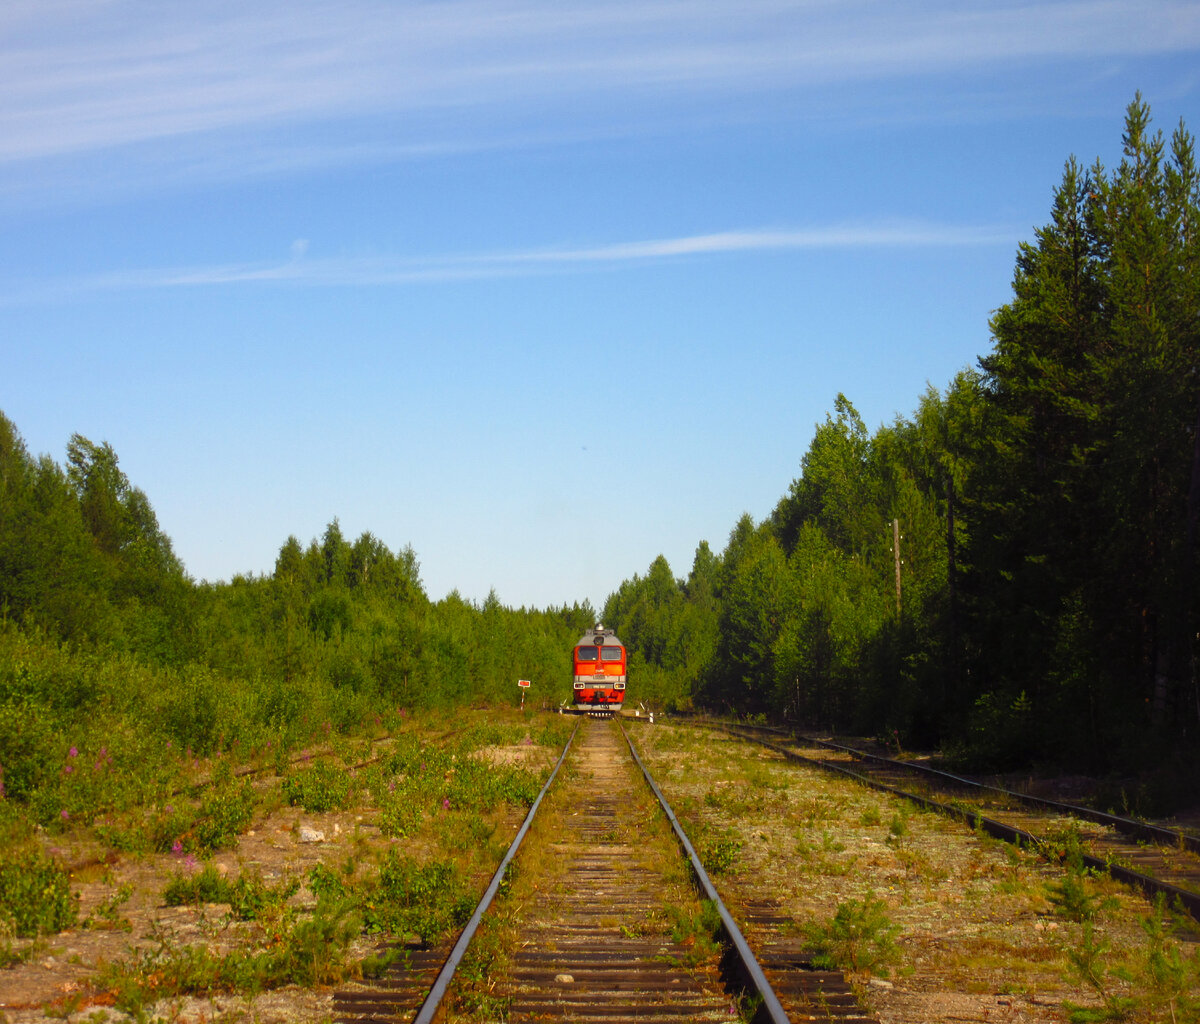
[(524, 685)]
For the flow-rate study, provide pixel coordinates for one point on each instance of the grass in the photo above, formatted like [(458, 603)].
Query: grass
[(938, 906), (697, 930), (310, 951), (459, 789)]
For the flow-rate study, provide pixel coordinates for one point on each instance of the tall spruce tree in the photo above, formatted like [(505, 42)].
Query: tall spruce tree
[(1082, 567)]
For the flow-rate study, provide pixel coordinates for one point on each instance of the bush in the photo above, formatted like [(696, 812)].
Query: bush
[(323, 787), (860, 936), (35, 896), (29, 748), (425, 899), (721, 854), (249, 897), (225, 812)]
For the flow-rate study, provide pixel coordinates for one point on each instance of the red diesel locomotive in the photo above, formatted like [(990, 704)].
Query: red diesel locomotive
[(599, 672)]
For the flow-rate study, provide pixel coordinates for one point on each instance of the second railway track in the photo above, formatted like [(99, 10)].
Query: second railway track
[(1154, 859), (605, 926)]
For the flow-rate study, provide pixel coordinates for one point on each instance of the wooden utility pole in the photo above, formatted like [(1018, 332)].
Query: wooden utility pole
[(896, 553)]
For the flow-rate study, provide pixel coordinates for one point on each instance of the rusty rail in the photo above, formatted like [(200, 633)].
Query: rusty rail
[(429, 1008), (750, 968)]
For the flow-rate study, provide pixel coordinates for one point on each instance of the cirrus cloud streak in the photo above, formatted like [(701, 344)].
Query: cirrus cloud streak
[(87, 75), (353, 271)]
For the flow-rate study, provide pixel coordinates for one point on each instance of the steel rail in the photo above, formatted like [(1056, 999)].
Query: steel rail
[(997, 829), (429, 1008), (750, 966), (1130, 827)]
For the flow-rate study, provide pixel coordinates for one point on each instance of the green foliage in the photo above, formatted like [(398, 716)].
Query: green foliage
[(309, 951), (1086, 959), (226, 810), (322, 787), (1073, 895), (721, 854), (107, 914), (698, 931), (860, 936), (1048, 606), (411, 898), (35, 895), (207, 885), (249, 897), (1085, 559), (1003, 733), (1043, 603), (150, 676)]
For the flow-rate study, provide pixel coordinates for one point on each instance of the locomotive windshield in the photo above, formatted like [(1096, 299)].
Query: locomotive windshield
[(610, 653), (588, 653)]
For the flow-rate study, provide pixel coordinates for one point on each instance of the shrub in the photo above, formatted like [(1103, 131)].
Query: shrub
[(35, 896), (28, 749), (225, 812), (425, 899), (721, 854), (860, 936), (323, 787), (309, 952)]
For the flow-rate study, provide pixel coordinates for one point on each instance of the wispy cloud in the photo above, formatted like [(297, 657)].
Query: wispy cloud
[(299, 270), (85, 75)]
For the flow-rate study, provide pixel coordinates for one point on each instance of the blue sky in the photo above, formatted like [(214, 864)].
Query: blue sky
[(543, 289)]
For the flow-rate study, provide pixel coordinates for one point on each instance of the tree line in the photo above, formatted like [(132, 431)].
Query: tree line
[(107, 643), (1042, 603), (1046, 604)]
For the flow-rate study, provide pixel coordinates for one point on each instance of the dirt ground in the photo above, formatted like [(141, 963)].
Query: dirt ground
[(58, 981), (979, 938)]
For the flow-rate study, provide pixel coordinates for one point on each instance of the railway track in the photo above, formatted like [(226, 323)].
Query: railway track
[(605, 932), (1152, 858)]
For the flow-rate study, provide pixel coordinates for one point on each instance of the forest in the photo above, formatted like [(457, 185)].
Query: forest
[(1042, 607), (1043, 604)]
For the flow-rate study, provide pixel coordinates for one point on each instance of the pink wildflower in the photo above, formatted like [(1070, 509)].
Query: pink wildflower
[(446, 803), (65, 814), (177, 847), (73, 752)]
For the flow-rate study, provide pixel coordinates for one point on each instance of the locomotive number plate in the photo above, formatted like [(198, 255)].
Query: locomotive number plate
[(599, 675)]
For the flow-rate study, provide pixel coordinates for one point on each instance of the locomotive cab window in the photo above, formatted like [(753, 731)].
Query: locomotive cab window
[(611, 653), (587, 654)]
